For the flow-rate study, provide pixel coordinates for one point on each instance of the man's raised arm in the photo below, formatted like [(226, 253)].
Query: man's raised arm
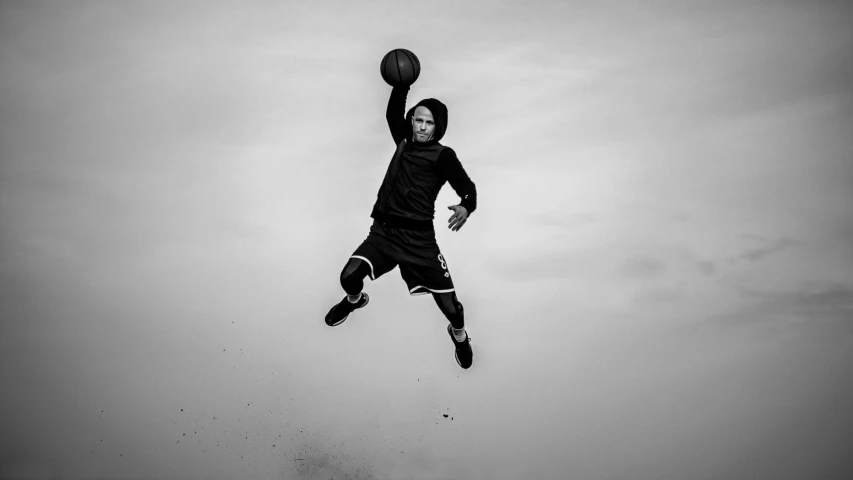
[(395, 114)]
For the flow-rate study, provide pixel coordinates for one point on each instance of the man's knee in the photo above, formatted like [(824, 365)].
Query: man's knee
[(352, 275)]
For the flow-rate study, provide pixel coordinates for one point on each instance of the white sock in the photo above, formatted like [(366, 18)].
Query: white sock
[(459, 335), (354, 298)]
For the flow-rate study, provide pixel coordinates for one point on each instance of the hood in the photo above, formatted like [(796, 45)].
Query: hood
[(439, 114)]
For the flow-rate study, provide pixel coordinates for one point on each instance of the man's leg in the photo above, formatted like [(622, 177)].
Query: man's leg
[(368, 259), (452, 309), (352, 278), (424, 269)]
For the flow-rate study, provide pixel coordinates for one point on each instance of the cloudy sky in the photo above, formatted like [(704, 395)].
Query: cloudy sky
[(658, 280)]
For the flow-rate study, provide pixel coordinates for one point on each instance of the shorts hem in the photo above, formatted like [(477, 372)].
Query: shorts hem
[(413, 291), (372, 276)]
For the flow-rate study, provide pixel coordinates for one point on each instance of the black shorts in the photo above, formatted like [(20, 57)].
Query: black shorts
[(422, 266)]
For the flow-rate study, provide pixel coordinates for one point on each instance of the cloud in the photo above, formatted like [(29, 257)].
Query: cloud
[(570, 221), (601, 257), (768, 248), (660, 295), (810, 300), (642, 267), (707, 267)]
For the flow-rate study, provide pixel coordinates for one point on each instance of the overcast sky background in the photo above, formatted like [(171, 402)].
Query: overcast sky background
[(658, 280)]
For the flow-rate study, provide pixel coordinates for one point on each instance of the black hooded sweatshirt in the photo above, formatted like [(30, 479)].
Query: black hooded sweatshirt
[(418, 170)]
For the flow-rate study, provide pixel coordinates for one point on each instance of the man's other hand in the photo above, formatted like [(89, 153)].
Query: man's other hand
[(459, 217)]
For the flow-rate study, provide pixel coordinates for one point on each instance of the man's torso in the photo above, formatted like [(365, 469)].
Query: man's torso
[(411, 184)]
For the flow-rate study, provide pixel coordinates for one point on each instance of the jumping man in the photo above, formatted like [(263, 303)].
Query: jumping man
[(402, 232)]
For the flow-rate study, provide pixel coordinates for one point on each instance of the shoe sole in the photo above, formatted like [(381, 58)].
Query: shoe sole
[(366, 301)]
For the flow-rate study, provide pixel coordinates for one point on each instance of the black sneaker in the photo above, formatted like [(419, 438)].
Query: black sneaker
[(464, 354), (341, 311)]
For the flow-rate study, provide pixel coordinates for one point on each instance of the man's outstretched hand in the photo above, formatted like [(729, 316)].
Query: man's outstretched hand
[(459, 217)]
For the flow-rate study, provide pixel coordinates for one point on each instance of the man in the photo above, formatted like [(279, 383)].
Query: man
[(402, 232)]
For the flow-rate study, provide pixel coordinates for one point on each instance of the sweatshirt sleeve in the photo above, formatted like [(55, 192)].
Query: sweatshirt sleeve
[(395, 114), (450, 166)]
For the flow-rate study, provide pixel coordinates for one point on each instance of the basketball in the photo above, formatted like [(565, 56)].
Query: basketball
[(400, 67)]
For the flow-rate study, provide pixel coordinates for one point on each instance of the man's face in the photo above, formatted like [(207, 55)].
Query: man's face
[(423, 125)]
